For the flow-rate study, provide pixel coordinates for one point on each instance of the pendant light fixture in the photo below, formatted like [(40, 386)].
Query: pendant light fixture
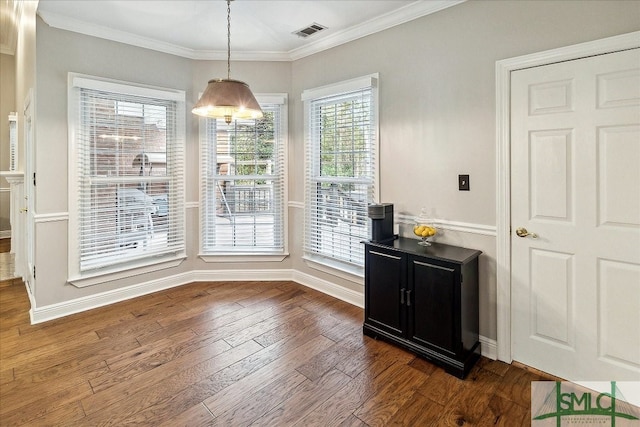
[(226, 98)]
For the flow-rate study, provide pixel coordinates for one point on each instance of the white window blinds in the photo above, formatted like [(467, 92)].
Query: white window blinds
[(341, 170), (127, 186), (13, 142), (243, 183)]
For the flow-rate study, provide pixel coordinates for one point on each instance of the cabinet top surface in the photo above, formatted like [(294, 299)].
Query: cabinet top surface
[(436, 250)]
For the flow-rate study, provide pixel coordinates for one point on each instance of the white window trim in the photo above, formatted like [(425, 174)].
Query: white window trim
[(335, 268), (352, 85), (75, 276), (243, 257), (261, 255), (128, 271), (318, 262)]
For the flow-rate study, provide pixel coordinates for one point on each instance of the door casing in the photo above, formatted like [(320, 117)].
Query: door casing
[(503, 163), (29, 193)]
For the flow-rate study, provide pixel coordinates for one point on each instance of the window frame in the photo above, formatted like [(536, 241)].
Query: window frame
[(318, 261), (243, 255), (154, 261)]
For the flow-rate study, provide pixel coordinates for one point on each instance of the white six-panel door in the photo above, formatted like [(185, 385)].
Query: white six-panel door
[(575, 188)]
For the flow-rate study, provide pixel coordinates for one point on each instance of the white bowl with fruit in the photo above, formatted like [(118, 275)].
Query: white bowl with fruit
[(425, 232)]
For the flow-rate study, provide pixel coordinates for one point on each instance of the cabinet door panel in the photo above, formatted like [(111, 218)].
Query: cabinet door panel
[(385, 278), (433, 305)]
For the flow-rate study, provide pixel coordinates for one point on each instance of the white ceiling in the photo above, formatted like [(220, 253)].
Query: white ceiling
[(260, 29)]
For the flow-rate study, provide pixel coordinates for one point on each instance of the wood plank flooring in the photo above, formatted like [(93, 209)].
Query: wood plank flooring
[(234, 354), (7, 260)]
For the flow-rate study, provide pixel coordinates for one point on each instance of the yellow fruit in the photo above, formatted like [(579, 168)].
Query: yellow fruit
[(425, 233)]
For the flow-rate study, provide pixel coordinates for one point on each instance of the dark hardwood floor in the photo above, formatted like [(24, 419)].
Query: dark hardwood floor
[(5, 245), (234, 354)]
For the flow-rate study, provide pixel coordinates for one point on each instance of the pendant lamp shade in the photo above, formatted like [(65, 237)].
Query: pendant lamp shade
[(226, 98)]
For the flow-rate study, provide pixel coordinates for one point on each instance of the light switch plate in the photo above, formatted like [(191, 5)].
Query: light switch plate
[(463, 182)]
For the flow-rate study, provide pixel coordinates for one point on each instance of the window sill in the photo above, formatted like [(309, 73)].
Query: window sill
[(104, 276), (246, 257), (335, 268)]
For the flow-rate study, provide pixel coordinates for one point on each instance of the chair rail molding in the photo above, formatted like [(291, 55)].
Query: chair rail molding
[(466, 227)]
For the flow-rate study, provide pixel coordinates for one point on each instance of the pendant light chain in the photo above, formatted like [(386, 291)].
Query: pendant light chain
[(225, 98), (228, 39)]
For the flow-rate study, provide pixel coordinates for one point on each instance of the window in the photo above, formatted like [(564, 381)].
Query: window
[(13, 142), (341, 171), (243, 183), (126, 172)]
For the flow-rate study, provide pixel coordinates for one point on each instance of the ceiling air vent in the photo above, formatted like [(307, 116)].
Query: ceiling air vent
[(309, 30)]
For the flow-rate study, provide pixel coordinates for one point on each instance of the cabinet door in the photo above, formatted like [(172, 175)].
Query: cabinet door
[(432, 314), (385, 290)]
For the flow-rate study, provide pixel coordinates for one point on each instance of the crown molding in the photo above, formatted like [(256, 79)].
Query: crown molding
[(10, 17), (71, 24), (400, 16), (218, 55), (405, 14)]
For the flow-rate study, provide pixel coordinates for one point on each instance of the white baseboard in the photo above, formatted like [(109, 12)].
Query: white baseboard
[(5, 234), (489, 348), (54, 311), (241, 275), (326, 287)]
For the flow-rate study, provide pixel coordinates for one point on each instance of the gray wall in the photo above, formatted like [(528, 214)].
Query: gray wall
[(437, 119), (18, 78), (7, 105), (60, 52), (437, 106)]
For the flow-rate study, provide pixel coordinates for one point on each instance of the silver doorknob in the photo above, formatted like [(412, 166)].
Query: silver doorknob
[(522, 232)]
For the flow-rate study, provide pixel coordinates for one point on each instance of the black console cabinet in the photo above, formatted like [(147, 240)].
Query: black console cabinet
[(424, 299)]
